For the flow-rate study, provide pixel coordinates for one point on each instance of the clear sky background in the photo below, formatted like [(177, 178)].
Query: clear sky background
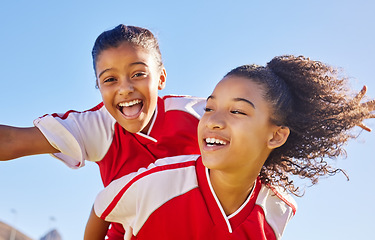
[(46, 67)]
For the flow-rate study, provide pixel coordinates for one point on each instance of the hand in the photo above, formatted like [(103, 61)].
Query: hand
[(370, 105)]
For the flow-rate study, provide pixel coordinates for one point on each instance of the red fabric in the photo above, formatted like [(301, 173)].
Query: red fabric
[(196, 215), (176, 132)]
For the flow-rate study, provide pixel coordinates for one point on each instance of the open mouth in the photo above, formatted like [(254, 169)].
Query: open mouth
[(215, 142), (131, 108)]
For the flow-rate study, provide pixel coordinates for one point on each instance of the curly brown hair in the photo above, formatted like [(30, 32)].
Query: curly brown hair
[(314, 102)]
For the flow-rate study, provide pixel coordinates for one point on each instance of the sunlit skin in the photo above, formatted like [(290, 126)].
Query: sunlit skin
[(237, 120), (129, 79)]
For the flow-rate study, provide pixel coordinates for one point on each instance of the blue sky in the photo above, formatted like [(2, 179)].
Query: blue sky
[(46, 67)]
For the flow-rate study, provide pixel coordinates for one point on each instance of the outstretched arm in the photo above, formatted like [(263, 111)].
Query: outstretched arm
[(17, 142), (96, 228)]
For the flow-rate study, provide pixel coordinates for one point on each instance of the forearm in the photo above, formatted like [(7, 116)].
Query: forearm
[(18, 142), (96, 228)]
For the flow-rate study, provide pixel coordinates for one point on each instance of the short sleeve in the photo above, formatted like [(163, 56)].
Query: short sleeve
[(79, 136)]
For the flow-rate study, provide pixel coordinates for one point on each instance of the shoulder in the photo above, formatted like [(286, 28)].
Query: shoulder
[(164, 169), (277, 194), (151, 186), (79, 135), (278, 207), (97, 113), (192, 105), (98, 110), (156, 174)]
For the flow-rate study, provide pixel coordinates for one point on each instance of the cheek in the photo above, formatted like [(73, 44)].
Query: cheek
[(106, 95), (151, 92), (200, 127), (154, 89), (103, 92), (246, 133)]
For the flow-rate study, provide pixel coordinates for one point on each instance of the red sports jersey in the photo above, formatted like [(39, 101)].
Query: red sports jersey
[(173, 199), (94, 135)]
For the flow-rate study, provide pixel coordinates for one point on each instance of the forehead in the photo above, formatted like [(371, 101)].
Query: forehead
[(235, 86), (235, 90), (125, 53)]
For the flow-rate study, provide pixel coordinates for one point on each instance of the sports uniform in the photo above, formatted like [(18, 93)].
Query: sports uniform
[(94, 135), (173, 199)]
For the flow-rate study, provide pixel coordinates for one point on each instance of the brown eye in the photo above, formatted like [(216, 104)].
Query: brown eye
[(138, 75), (238, 112), (109, 80)]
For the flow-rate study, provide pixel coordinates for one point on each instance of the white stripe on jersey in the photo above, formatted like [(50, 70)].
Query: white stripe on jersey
[(193, 105), (142, 195), (88, 135), (278, 206)]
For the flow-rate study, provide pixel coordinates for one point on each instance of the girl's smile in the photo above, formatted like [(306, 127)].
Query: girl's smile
[(131, 109), (214, 143), (129, 79), (235, 130)]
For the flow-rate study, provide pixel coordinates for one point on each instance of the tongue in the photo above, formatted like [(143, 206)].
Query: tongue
[(132, 111)]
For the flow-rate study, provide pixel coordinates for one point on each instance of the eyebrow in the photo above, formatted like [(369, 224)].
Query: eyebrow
[(244, 100), (131, 64), (104, 72), (236, 100)]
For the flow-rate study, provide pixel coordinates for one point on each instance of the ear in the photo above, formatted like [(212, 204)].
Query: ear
[(96, 83), (279, 137), (162, 79)]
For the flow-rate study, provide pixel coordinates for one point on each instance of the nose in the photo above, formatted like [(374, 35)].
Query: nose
[(215, 120), (126, 87)]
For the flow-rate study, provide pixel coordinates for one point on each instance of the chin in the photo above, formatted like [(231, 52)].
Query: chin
[(209, 162), (133, 128)]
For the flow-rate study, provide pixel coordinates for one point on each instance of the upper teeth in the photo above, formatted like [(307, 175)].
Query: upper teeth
[(214, 140), (129, 104)]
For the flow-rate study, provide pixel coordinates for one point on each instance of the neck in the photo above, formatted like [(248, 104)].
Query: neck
[(231, 190)]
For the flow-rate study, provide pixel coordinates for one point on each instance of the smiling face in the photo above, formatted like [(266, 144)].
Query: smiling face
[(129, 79), (235, 133)]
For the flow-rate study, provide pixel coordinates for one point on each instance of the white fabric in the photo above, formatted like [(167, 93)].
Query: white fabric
[(193, 105), (277, 212), (88, 135), (142, 198), (81, 136)]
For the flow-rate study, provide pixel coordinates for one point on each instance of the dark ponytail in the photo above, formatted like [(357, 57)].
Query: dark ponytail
[(312, 100)]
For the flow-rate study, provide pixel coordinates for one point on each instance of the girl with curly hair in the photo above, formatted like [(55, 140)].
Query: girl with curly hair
[(262, 125)]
